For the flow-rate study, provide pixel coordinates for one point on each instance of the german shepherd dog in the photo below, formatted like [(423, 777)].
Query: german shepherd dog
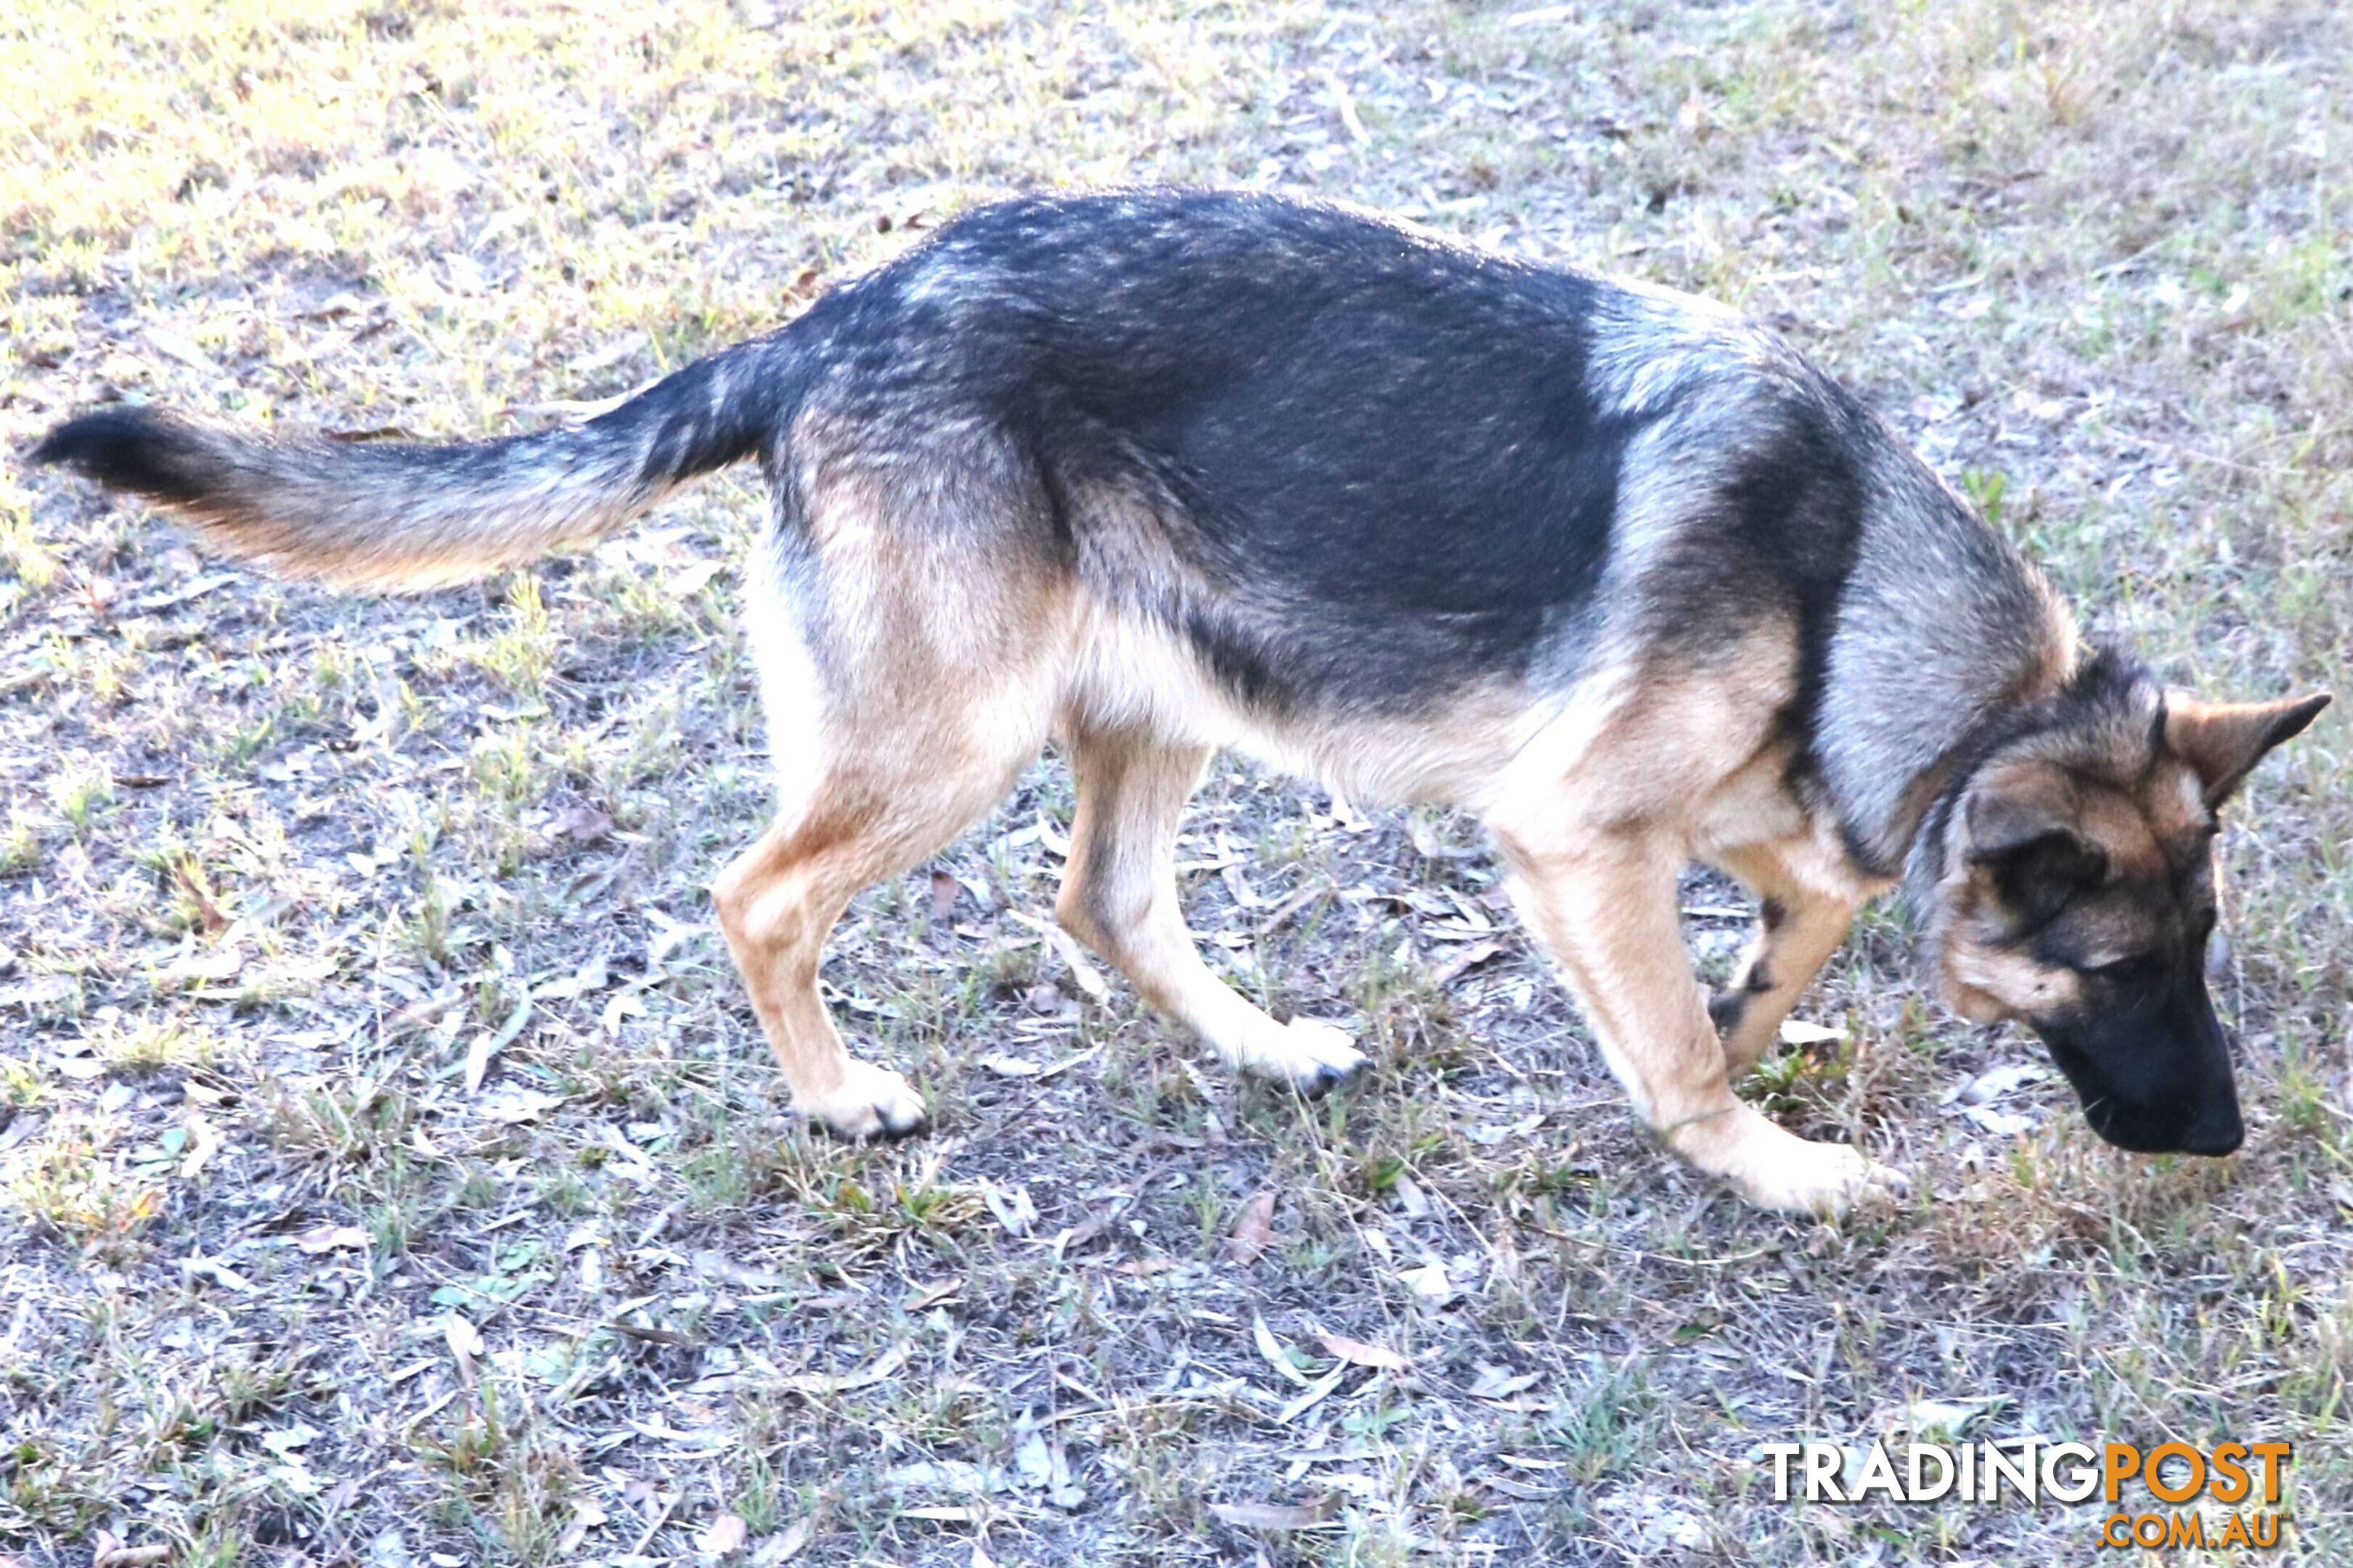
[(1155, 473)]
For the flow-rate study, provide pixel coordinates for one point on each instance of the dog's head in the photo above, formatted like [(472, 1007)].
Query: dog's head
[(2078, 894)]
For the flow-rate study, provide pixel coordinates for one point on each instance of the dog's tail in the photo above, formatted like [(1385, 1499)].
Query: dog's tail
[(407, 515)]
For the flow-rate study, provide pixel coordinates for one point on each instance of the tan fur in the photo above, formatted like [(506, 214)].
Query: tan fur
[(1987, 985), (917, 721), (1814, 911), (1119, 897), (1667, 765)]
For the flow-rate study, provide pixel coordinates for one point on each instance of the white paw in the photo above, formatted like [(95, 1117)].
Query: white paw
[(1826, 1180), (1312, 1058), (1774, 1168), (871, 1102)]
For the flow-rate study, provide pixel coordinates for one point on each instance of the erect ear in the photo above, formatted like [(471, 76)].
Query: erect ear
[(2222, 741), (2031, 851)]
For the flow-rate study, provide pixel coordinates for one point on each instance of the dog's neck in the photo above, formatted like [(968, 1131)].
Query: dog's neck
[(1946, 636), (1931, 798)]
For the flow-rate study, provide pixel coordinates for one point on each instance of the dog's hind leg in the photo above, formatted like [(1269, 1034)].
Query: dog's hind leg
[(871, 816), (1119, 897), (908, 664), (1798, 926), (1604, 906)]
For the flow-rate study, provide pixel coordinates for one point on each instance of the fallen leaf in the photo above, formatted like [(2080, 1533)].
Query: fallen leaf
[(1273, 1516), (816, 1382), (945, 890), (723, 1537), (1316, 1394), (485, 1046), (689, 581), (173, 346), (783, 1548), (1501, 1383), (1796, 1032), (1469, 958), (1012, 1206), (1363, 1355), (465, 1341), (1090, 979), (584, 824), (1276, 1354), (611, 354), (333, 1237), (1254, 1232)]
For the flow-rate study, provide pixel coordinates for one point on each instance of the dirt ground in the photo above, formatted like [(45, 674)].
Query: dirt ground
[(390, 1170)]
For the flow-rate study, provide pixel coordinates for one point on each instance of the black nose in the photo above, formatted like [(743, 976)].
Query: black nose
[(2216, 1126), (2214, 1134)]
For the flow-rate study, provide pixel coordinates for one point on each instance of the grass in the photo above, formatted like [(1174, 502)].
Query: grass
[(274, 864)]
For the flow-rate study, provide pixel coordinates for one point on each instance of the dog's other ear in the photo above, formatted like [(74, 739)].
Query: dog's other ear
[(2222, 741), (2031, 852)]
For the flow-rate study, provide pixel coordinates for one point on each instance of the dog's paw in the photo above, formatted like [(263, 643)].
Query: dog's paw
[(1825, 1180), (871, 1102), (1773, 1168), (1312, 1058)]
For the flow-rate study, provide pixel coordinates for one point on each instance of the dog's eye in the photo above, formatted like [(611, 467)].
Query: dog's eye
[(2129, 971)]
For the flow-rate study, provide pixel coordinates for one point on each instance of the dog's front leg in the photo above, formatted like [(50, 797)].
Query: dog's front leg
[(1120, 899), (1604, 906), (1798, 926)]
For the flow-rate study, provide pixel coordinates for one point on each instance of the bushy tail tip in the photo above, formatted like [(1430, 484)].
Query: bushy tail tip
[(134, 449)]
